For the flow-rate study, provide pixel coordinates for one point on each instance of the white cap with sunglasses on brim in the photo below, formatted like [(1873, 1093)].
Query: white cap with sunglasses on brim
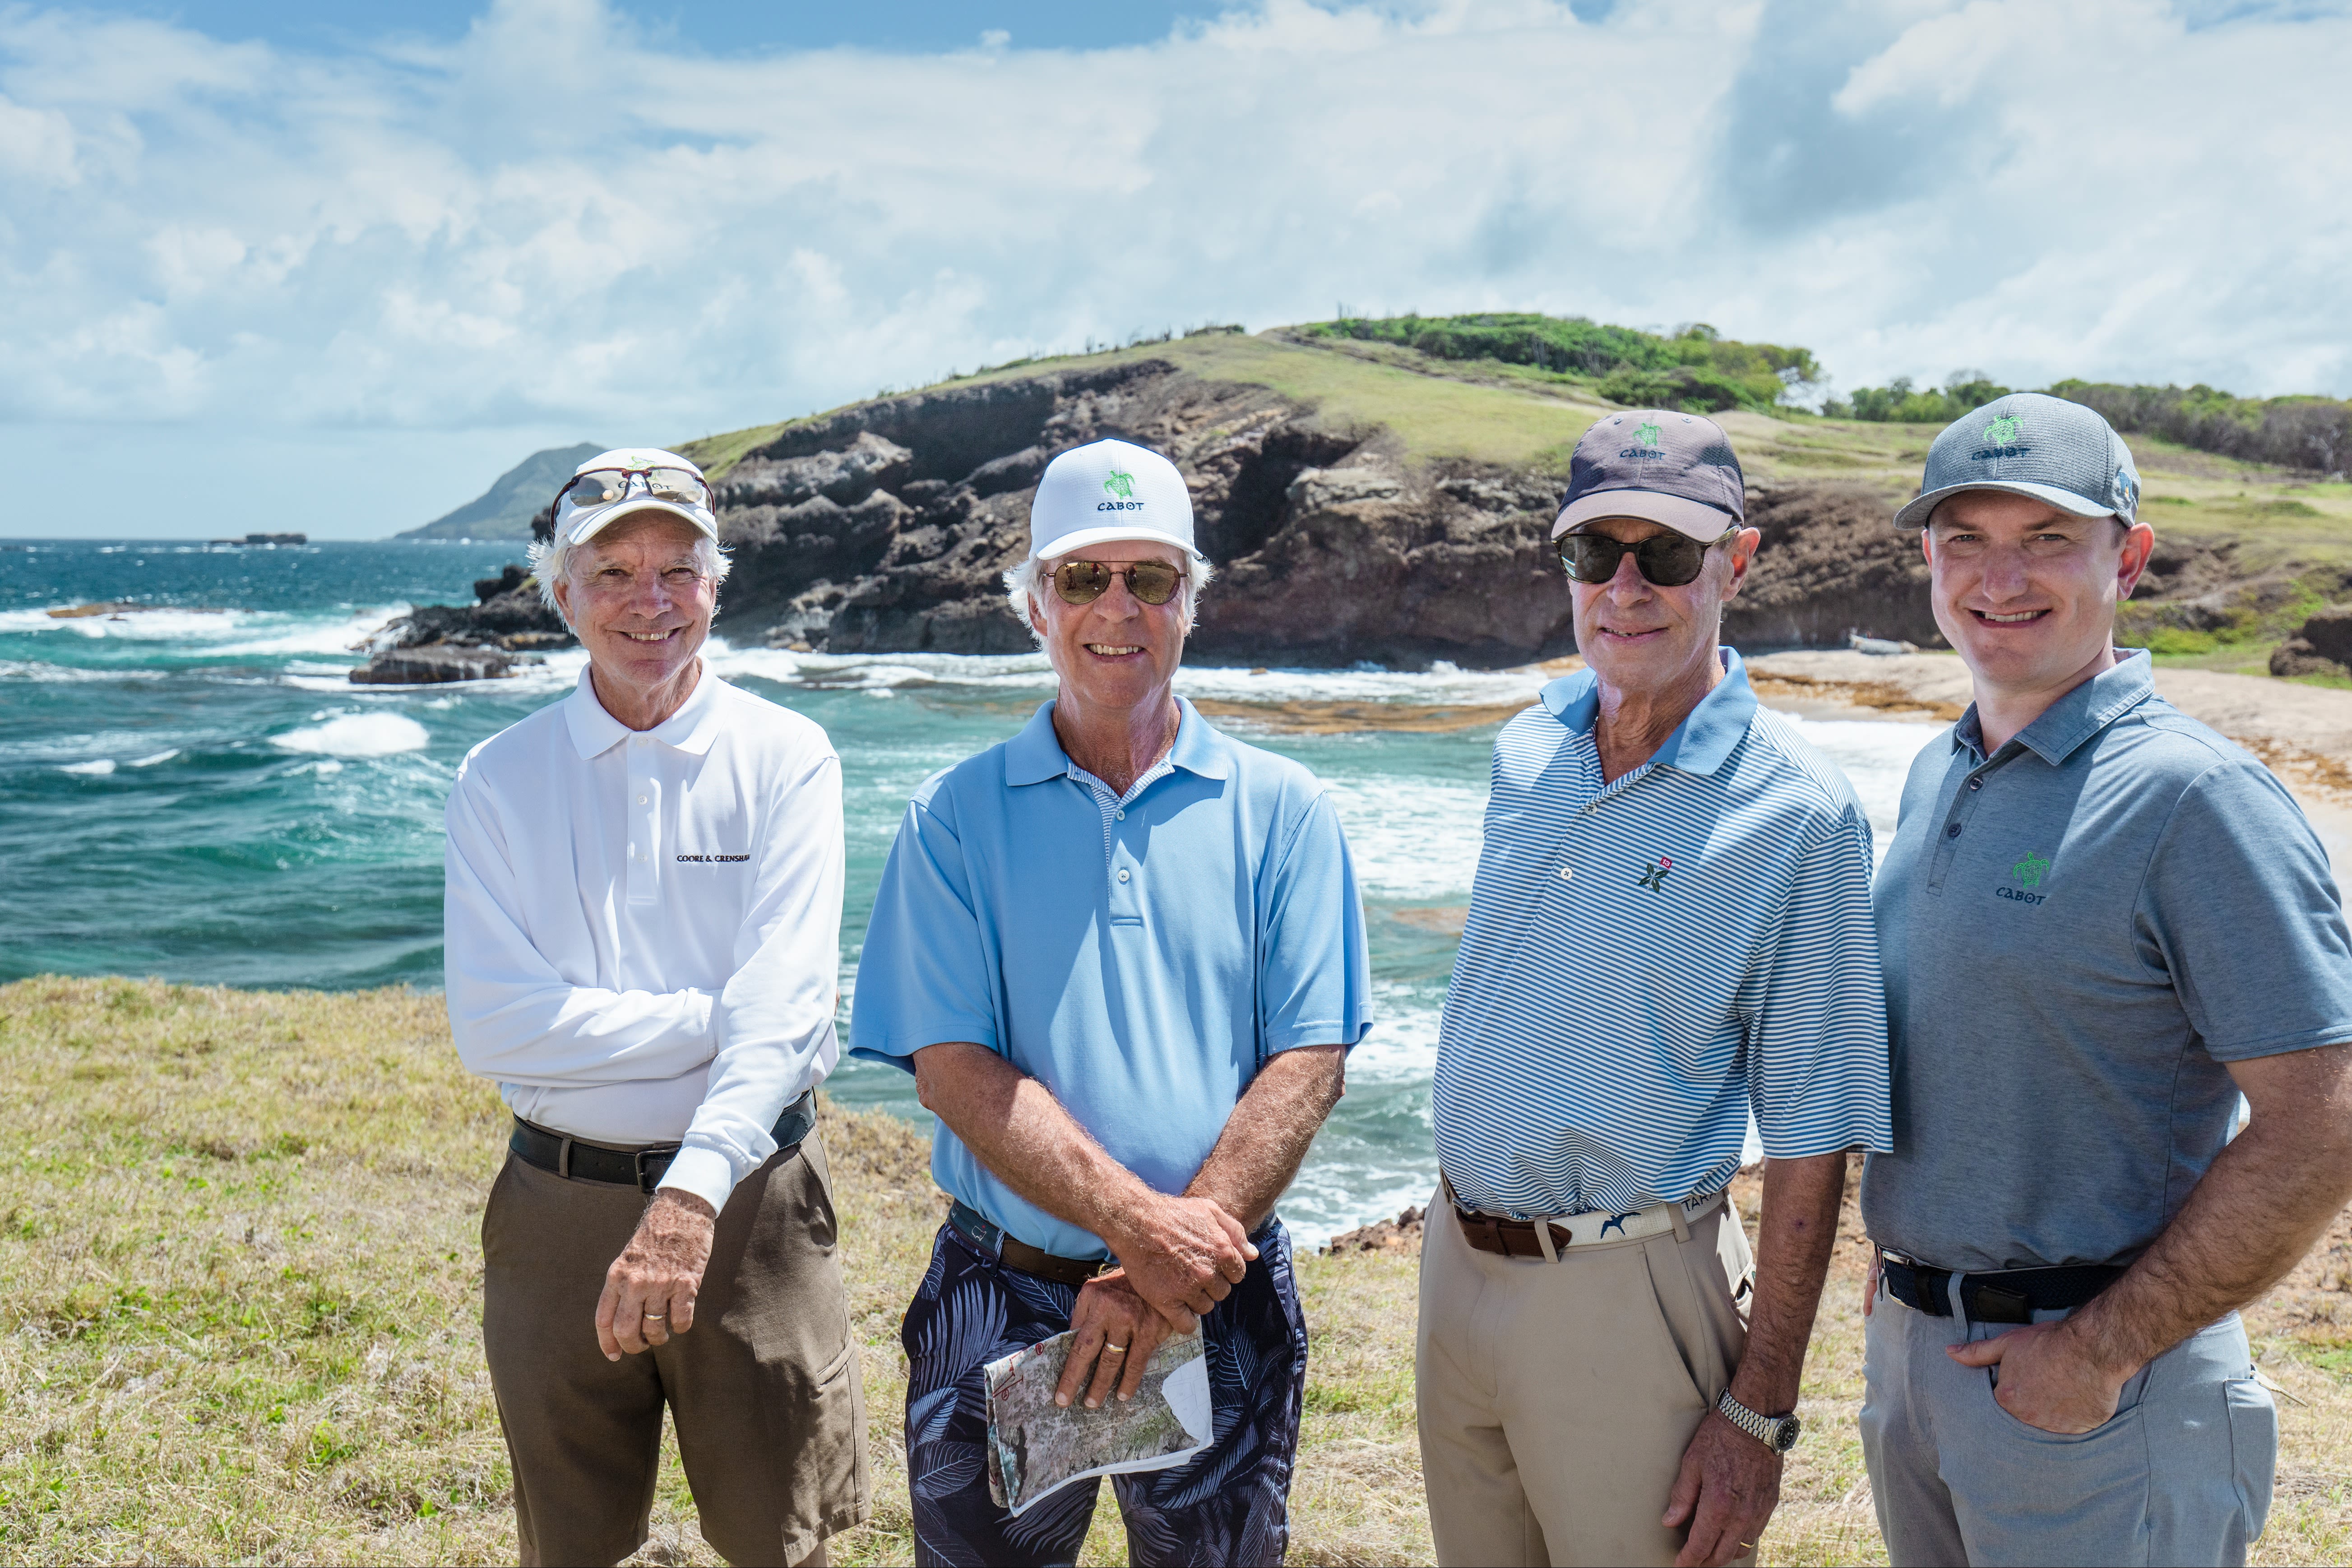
[(1109, 490), (635, 479)]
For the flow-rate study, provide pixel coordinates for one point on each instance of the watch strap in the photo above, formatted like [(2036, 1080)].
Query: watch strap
[(1778, 1433)]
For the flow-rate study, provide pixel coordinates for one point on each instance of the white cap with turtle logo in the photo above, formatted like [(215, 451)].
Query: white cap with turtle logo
[(1109, 490)]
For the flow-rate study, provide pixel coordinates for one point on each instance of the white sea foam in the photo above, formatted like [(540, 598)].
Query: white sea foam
[(1402, 1045), (356, 735), (1441, 685), (151, 762), (287, 635), (97, 768), (1411, 838), (1875, 756)]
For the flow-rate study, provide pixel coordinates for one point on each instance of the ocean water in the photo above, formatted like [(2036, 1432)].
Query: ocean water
[(195, 791)]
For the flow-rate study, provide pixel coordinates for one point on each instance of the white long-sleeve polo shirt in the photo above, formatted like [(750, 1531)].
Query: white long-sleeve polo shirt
[(642, 931)]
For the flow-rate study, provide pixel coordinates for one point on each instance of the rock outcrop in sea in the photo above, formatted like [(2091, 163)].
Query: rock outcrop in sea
[(507, 623)]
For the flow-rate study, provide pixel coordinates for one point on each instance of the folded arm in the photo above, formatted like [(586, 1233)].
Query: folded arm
[(513, 1016)]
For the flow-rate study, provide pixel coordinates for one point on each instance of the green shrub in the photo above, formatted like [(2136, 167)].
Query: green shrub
[(1899, 403), (2294, 432), (1696, 368)]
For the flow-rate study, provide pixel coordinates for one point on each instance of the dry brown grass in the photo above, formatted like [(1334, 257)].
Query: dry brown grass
[(240, 1320)]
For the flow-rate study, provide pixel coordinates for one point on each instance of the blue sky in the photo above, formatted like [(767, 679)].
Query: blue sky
[(366, 257)]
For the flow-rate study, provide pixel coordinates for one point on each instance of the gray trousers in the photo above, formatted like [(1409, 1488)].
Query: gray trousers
[(2181, 1475)]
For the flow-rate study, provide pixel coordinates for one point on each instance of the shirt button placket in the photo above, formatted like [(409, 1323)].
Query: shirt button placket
[(645, 824)]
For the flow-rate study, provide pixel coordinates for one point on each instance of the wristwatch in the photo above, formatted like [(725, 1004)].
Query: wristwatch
[(1778, 1433)]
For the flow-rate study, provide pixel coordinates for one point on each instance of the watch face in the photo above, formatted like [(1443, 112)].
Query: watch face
[(1791, 1428)]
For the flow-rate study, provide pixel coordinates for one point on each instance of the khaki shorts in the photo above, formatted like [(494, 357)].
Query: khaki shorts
[(764, 1389), (1556, 1399)]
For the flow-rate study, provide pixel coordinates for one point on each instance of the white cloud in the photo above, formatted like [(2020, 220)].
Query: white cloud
[(555, 225)]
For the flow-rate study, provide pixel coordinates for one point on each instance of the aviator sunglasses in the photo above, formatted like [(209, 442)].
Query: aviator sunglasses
[(1084, 582), (1668, 560), (682, 487)]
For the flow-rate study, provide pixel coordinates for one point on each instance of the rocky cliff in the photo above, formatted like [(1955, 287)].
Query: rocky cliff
[(886, 526)]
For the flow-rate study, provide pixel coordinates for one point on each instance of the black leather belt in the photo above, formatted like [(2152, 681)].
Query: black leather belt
[(988, 1239), (639, 1168), (2007, 1296)]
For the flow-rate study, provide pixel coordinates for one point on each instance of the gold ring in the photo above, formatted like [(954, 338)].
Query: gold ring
[(1114, 1350), (655, 1316)]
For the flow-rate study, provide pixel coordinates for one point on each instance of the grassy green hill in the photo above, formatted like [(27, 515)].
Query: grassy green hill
[(1493, 411)]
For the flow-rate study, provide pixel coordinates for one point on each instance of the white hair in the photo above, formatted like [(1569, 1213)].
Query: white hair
[(1025, 585), (551, 562)]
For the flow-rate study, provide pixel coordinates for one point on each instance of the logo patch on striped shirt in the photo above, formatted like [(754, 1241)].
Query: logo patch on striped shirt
[(1655, 878)]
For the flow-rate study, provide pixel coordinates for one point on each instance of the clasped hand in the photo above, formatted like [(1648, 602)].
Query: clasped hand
[(1179, 1257), (1113, 1333), (1183, 1255)]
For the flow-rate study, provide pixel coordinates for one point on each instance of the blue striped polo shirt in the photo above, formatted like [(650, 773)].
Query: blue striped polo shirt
[(1646, 961)]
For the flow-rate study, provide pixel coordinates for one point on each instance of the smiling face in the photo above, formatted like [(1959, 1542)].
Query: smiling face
[(1642, 640), (1117, 652), (2027, 592), (640, 599)]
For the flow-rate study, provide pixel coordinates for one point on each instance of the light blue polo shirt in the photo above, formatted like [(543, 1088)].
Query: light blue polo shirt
[(1141, 963), (1646, 962)]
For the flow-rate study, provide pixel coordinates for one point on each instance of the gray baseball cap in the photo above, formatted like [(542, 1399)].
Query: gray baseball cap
[(2031, 444), (1671, 469)]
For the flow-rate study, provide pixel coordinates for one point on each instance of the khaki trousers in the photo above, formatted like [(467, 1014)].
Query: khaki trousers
[(1556, 1399), (764, 1389)]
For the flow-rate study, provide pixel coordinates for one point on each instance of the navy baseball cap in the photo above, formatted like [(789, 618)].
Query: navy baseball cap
[(1671, 469), (2031, 444)]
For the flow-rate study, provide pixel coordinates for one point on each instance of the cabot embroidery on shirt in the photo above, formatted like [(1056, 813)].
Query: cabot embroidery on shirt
[(712, 859), (1655, 878), (2029, 873)]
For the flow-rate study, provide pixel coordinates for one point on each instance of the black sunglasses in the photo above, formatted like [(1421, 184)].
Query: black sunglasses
[(1084, 582), (1668, 560)]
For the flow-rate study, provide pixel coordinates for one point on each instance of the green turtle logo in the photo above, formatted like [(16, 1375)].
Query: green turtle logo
[(1120, 484), (2031, 870), (1645, 435), (2001, 431)]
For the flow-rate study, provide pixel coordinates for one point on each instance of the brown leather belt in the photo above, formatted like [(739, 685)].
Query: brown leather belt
[(1508, 1237), (990, 1241), (1517, 1237)]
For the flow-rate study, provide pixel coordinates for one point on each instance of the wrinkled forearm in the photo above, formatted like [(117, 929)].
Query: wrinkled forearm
[(1794, 1235), (1026, 1137), (1266, 1138)]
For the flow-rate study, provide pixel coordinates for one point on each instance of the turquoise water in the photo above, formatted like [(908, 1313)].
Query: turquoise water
[(195, 791)]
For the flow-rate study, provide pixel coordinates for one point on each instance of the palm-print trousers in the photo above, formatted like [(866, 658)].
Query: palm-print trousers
[(1228, 1504)]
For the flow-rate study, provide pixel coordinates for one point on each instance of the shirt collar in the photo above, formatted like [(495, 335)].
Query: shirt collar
[(1035, 754), (691, 728), (1699, 744), (2074, 718)]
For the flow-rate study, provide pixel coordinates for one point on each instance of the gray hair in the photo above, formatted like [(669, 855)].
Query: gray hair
[(1025, 584), (551, 562)]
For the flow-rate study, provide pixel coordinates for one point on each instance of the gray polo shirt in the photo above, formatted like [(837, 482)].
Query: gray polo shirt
[(2078, 933)]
